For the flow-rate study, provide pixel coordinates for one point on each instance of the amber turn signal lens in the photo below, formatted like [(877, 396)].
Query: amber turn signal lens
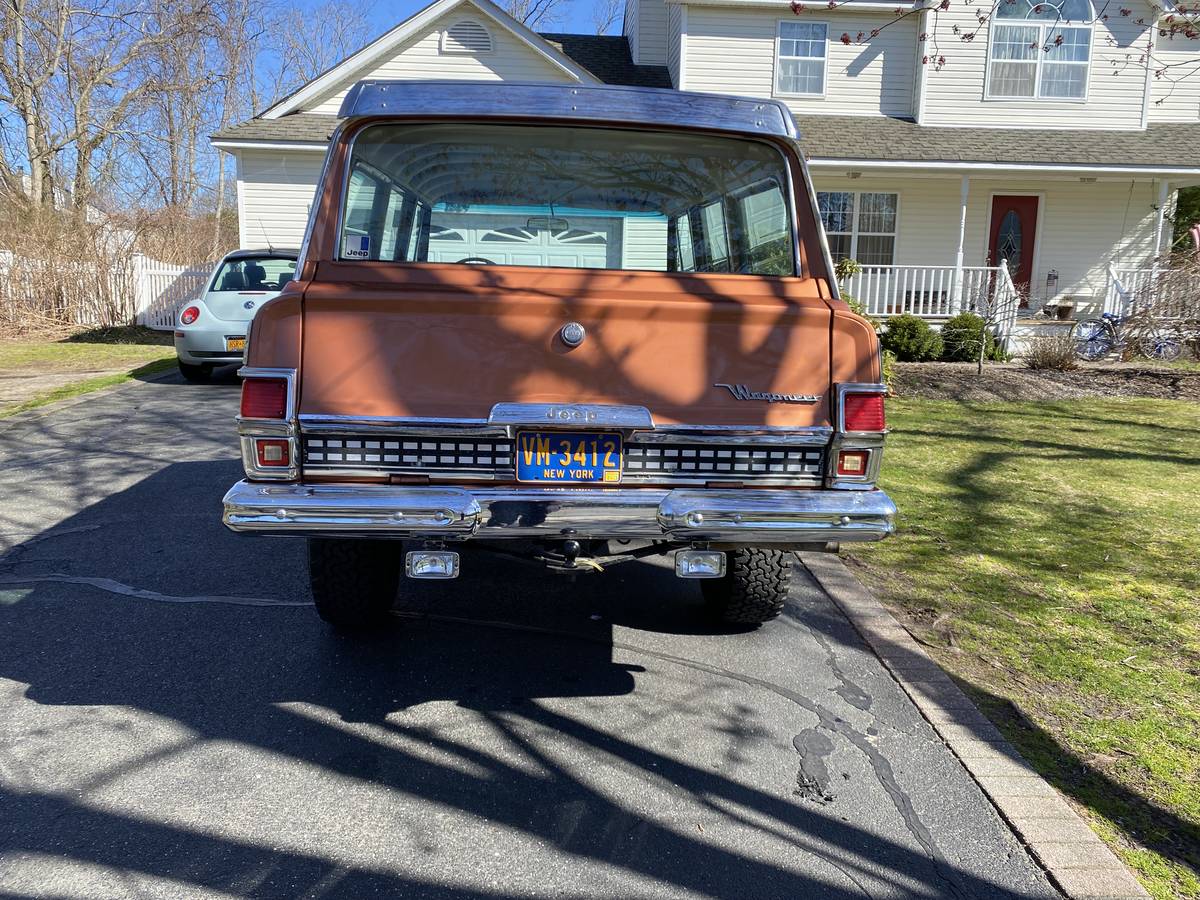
[(863, 412), (272, 453), (189, 315), (264, 398), (852, 462)]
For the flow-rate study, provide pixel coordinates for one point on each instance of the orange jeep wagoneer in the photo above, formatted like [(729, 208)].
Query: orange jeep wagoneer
[(586, 325)]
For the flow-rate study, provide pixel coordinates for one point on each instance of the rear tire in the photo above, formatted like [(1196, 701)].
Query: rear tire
[(197, 374), (353, 582), (753, 589)]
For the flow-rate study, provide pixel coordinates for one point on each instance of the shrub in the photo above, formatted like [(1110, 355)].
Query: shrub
[(889, 372), (911, 339), (1053, 352), (961, 337)]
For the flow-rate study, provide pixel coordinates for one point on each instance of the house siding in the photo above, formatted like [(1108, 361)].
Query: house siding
[(421, 58), (629, 27), (1083, 230), (652, 32), (875, 78), (275, 192), (1116, 86), (1175, 95), (675, 40)]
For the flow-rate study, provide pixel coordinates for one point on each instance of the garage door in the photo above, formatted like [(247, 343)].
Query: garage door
[(590, 243)]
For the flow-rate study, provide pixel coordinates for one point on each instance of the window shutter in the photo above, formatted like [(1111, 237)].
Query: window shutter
[(466, 36)]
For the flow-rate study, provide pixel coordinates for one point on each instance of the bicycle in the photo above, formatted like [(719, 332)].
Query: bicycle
[(1096, 338)]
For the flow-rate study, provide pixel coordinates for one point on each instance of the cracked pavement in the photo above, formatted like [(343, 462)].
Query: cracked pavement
[(175, 722)]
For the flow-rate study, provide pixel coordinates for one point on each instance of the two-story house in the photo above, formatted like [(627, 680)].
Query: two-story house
[(1062, 164)]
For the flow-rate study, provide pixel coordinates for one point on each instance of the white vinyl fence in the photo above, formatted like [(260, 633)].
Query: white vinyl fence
[(161, 289), (132, 289)]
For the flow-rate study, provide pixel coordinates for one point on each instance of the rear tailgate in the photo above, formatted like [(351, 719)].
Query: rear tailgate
[(446, 341)]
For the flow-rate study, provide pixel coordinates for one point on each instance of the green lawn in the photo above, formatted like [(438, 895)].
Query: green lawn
[(90, 351), (1047, 555), (101, 358)]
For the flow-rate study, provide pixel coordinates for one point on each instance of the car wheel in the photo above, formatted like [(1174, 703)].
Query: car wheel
[(353, 582), (196, 374), (753, 588)]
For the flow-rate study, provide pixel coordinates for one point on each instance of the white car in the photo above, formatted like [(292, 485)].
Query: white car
[(210, 331)]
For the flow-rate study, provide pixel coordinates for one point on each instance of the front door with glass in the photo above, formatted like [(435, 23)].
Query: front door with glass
[(1013, 232)]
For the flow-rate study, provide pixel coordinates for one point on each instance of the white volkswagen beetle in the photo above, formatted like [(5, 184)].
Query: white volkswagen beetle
[(210, 331)]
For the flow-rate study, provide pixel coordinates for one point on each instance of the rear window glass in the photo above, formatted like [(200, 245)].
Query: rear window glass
[(251, 273), (571, 197)]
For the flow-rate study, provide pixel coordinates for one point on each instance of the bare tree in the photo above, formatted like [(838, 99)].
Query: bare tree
[(942, 24), (308, 42), (606, 14), (33, 39), (536, 13)]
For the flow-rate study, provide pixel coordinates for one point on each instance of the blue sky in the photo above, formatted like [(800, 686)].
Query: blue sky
[(386, 14)]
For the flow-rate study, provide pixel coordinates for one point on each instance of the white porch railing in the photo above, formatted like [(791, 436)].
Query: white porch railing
[(929, 292), (1173, 292)]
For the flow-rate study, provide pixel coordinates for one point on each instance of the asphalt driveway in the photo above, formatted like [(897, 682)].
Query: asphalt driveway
[(175, 720)]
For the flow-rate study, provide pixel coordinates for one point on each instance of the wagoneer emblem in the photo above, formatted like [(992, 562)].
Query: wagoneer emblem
[(741, 392)]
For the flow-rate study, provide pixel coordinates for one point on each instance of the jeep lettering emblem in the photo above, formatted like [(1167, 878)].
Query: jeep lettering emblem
[(741, 392), (570, 414)]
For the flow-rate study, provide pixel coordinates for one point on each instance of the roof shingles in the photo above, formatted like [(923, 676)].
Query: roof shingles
[(1163, 147)]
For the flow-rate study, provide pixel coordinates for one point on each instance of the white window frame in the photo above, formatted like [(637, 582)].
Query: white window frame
[(775, 91), (856, 233), (1045, 34)]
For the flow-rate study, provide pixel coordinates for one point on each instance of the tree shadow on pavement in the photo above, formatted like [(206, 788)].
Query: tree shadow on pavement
[(520, 761)]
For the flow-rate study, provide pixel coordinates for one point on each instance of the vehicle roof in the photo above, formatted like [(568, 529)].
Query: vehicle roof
[(604, 103), (267, 253)]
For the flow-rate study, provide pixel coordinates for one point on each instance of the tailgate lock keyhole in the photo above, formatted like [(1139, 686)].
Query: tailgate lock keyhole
[(572, 334)]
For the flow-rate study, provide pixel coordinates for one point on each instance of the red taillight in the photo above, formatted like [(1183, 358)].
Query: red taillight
[(189, 315), (863, 412), (853, 462), (264, 398), (272, 452)]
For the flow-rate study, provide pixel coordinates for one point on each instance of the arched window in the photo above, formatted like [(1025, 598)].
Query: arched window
[(1040, 50), (466, 36)]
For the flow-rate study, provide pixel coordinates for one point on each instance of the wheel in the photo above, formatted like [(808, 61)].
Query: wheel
[(195, 373), (353, 582), (1093, 339), (1164, 346), (753, 588)]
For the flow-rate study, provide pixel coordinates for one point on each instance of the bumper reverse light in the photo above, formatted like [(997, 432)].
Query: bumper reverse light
[(699, 563), (852, 462), (272, 452), (431, 564)]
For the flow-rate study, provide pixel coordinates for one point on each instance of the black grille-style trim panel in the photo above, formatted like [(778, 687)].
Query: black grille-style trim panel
[(493, 457), (411, 454), (732, 462)]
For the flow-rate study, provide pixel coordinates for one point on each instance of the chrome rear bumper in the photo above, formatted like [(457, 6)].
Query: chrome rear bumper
[(453, 513)]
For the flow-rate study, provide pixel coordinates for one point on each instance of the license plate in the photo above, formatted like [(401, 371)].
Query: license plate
[(574, 457), (235, 343)]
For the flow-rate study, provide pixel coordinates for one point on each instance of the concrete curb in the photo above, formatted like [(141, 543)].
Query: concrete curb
[(1076, 860)]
